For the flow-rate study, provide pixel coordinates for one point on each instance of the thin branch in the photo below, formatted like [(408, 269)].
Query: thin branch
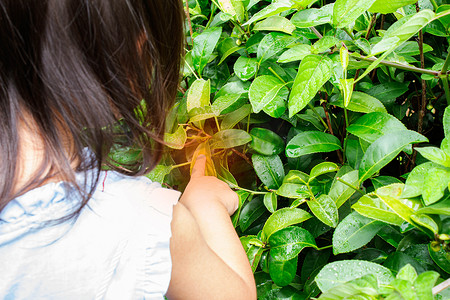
[(317, 33), (243, 156), (372, 23), (441, 286), (330, 129), (423, 102)]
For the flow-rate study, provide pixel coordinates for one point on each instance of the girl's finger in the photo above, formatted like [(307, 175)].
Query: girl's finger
[(199, 167)]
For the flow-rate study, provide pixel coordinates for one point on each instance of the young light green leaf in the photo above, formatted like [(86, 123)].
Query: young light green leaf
[(271, 10), (275, 23), (177, 139), (339, 272), (314, 71), (394, 203), (265, 141), (298, 52), (435, 155), (446, 122), (346, 12), (385, 149), (245, 68), (374, 125), (283, 218), (325, 210), (440, 208), (346, 86), (343, 56), (424, 283), (312, 17), (372, 207), (198, 94), (324, 44), (287, 243), (322, 168), (272, 44), (353, 232), (229, 138), (263, 90), (270, 202), (389, 6), (312, 142), (204, 45), (234, 8), (362, 102), (282, 272), (436, 181), (159, 173), (269, 169), (340, 192), (253, 251)]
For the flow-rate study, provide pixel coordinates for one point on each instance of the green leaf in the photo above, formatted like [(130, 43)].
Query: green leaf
[(389, 6), (414, 182), (407, 273), (353, 232), (390, 196), (441, 258), (198, 94), (361, 102), (372, 207), (425, 221), (229, 138), (253, 252), (312, 17), (245, 68), (282, 272), (385, 149), (340, 192), (269, 169), (270, 202), (424, 284), (346, 86), (275, 23), (159, 173), (346, 12), (272, 44), (204, 45), (314, 71), (293, 190), (271, 10), (250, 212), (446, 122), (287, 243), (298, 52), (435, 182), (322, 168), (324, 44), (435, 155), (265, 89), (177, 139), (242, 195), (225, 103), (339, 272), (381, 181), (232, 118), (283, 218), (440, 208), (312, 142), (374, 125), (234, 8), (325, 210), (405, 28), (266, 142)]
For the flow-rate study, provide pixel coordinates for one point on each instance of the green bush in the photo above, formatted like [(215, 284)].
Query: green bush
[(329, 119)]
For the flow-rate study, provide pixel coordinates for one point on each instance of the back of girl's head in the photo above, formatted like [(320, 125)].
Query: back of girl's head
[(71, 69)]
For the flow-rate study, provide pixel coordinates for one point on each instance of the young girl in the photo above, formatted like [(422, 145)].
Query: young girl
[(79, 78)]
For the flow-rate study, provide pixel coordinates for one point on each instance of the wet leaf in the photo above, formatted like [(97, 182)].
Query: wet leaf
[(325, 210), (245, 67), (204, 45), (266, 142), (282, 272), (313, 16), (287, 243), (312, 142), (263, 90), (269, 169), (347, 11), (229, 138), (275, 23), (283, 218)]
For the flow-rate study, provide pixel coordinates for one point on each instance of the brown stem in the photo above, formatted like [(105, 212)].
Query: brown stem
[(189, 21), (330, 128), (382, 21), (243, 156), (372, 23), (423, 102)]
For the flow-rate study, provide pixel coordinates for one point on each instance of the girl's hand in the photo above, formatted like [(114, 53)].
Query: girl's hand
[(207, 190)]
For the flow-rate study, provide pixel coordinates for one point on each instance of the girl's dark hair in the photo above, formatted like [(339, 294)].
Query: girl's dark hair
[(101, 72)]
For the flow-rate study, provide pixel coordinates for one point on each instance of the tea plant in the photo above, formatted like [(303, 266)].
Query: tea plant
[(329, 119)]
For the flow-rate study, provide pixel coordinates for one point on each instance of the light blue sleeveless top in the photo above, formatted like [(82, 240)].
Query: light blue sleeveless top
[(117, 248)]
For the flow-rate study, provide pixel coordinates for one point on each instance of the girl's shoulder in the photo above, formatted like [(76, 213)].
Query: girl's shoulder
[(118, 245)]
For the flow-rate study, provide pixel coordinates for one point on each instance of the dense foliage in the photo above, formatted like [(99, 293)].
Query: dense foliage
[(329, 119)]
